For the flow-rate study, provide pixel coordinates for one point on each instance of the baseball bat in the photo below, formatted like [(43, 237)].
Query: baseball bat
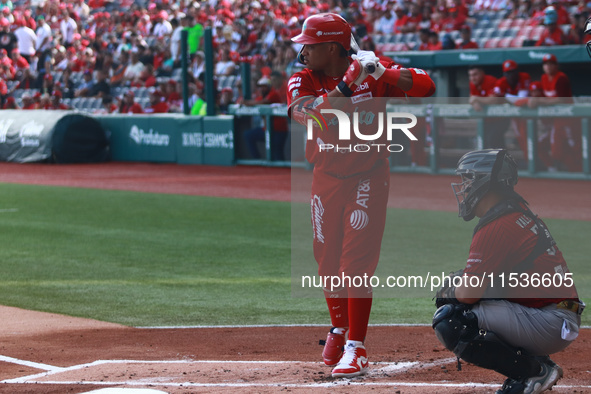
[(370, 68)]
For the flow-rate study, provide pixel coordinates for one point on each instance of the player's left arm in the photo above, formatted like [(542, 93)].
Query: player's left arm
[(413, 81)]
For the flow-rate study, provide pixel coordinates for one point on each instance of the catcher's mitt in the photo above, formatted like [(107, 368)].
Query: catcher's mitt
[(447, 293)]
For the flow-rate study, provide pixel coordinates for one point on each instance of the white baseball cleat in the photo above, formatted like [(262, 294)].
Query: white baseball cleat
[(353, 363)]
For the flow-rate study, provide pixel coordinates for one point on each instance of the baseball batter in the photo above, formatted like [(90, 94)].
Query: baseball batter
[(526, 306), (349, 189)]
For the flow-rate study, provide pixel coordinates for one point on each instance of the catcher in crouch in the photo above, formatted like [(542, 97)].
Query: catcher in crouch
[(524, 305), (349, 188)]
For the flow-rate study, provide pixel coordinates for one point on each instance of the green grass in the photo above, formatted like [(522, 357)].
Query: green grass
[(156, 259)]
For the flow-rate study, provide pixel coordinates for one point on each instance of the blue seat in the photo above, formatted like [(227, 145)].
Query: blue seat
[(378, 39)]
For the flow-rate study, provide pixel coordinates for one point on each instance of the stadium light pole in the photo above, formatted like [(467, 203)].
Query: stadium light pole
[(209, 88), (184, 70)]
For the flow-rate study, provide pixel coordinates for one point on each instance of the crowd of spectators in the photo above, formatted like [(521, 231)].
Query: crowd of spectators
[(59, 52)]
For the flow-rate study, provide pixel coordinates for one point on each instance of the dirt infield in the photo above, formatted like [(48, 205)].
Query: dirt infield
[(48, 353)]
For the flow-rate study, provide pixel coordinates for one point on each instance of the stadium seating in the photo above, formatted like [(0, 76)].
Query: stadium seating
[(525, 31), (504, 42), (505, 24), (492, 43), (536, 32), (517, 42)]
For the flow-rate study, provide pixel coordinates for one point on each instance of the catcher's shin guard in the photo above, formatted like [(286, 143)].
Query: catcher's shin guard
[(456, 327)]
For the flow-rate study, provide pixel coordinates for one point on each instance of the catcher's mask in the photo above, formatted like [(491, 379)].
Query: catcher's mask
[(481, 172), (588, 31)]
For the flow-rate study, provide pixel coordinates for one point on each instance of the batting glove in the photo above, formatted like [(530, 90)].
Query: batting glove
[(380, 69), (355, 74)]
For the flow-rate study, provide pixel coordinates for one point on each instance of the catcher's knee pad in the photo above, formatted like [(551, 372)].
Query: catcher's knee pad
[(456, 327), (453, 323)]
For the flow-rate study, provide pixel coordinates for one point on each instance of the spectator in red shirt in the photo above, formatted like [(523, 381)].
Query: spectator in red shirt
[(268, 94), (10, 103), (514, 84), (438, 19), (48, 84), (401, 19), (27, 80), (481, 86), (4, 59), (510, 88), (576, 33), (466, 42), (413, 19), (128, 104), (565, 136), (28, 102), (3, 91), (461, 7), (552, 34), (563, 16), (424, 40), (538, 13), (19, 62), (158, 105), (108, 106), (146, 78), (454, 20), (434, 43), (56, 101)]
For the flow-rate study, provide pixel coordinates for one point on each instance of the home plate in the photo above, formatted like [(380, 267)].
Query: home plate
[(124, 391)]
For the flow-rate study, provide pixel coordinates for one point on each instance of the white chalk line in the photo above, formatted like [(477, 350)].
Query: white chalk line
[(278, 326), (287, 325), (343, 382), (32, 364), (8, 210), (389, 367)]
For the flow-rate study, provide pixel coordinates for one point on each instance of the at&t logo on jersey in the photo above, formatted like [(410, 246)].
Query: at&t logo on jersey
[(359, 217)]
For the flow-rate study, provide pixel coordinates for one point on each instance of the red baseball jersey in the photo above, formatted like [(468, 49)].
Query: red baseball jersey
[(558, 86), (521, 89), (279, 122), (158, 108), (485, 88), (309, 83), (135, 108), (468, 45), (501, 245), (548, 38)]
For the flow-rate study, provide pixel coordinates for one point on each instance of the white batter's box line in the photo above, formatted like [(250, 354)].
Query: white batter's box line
[(404, 366), (51, 370), (55, 370), (32, 364), (344, 382), (277, 326)]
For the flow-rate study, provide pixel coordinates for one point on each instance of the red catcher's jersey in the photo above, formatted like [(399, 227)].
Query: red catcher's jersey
[(505, 242), (309, 83), (559, 86), (502, 89), (485, 88)]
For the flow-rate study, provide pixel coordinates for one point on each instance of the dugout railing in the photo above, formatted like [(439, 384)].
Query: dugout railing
[(453, 129)]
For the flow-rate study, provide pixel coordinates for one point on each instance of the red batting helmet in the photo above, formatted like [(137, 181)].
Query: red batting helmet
[(325, 28)]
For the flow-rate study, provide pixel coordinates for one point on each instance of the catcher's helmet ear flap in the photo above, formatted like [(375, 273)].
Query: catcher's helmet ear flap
[(481, 172)]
